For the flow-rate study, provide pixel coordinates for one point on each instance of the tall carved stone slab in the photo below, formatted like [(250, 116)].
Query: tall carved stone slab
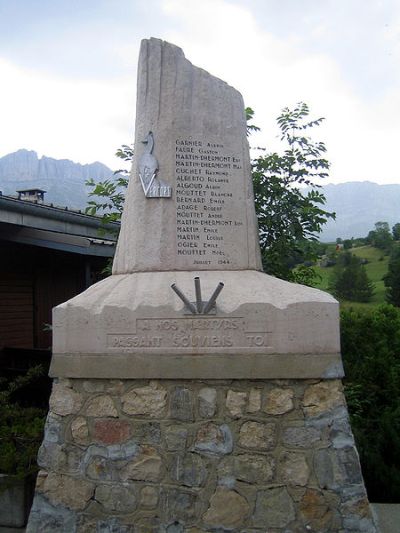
[(199, 131), (191, 391)]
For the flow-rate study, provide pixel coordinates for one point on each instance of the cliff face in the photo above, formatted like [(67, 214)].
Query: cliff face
[(358, 205), (63, 179)]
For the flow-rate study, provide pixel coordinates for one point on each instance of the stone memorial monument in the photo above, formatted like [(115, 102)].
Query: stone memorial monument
[(191, 391)]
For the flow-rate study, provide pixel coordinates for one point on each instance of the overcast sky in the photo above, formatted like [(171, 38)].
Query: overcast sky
[(68, 71)]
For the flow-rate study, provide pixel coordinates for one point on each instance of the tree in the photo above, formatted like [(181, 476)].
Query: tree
[(349, 280), (108, 196), (370, 341), (396, 231), (392, 278), (381, 237), (290, 216)]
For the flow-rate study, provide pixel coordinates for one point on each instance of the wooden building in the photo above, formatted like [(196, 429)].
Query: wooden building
[(47, 255)]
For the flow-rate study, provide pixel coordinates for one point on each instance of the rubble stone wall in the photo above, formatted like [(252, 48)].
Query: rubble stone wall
[(192, 456)]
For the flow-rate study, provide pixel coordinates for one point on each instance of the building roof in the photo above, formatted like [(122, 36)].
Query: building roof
[(56, 227)]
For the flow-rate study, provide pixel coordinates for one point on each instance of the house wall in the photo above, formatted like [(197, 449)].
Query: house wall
[(32, 281)]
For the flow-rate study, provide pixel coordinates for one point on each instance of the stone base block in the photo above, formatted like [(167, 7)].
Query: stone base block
[(135, 326), (199, 455)]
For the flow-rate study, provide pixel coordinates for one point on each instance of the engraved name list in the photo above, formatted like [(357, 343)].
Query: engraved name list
[(209, 191)]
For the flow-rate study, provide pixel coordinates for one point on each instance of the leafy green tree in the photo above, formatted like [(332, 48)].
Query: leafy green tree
[(392, 278), (396, 231), (108, 196), (371, 355), (288, 215), (349, 279), (381, 237)]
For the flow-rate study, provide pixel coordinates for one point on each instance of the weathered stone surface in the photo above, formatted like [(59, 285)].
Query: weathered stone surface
[(214, 439), (207, 399), (47, 518), (315, 510), (258, 435), (324, 468), (64, 400), (146, 432), (101, 406), (65, 490), (274, 508), (293, 468), (279, 401), (300, 436), (100, 469), (53, 428), (150, 400), (93, 385), (250, 468), (176, 437), (179, 504), (116, 498), (145, 467), (236, 402), (149, 496), (111, 431), (210, 111), (349, 464), (52, 456), (227, 509), (322, 397), (188, 470), (80, 430), (181, 404), (254, 404), (340, 433)]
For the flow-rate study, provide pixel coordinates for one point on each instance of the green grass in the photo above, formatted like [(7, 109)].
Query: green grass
[(376, 268)]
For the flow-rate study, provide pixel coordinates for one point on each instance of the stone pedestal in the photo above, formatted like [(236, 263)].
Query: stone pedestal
[(169, 414), (199, 455)]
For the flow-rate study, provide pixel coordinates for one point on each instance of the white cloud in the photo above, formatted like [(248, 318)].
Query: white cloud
[(80, 120), (272, 73)]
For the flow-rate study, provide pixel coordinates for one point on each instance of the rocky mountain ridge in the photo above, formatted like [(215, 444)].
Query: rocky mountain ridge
[(358, 205), (62, 179)]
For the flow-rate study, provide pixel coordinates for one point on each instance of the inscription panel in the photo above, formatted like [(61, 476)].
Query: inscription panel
[(196, 333), (211, 227)]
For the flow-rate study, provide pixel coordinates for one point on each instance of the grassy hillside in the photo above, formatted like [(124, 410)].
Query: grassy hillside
[(376, 268)]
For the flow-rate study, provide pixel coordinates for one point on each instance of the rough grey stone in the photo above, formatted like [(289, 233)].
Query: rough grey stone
[(324, 469), (274, 508), (46, 518), (181, 404), (188, 470), (51, 456), (341, 434), (350, 465), (179, 505), (146, 432), (53, 428), (207, 399), (250, 468), (116, 498), (176, 437), (113, 525), (293, 468), (175, 527), (214, 439), (258, 435), (228, 509), (300, 436)]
